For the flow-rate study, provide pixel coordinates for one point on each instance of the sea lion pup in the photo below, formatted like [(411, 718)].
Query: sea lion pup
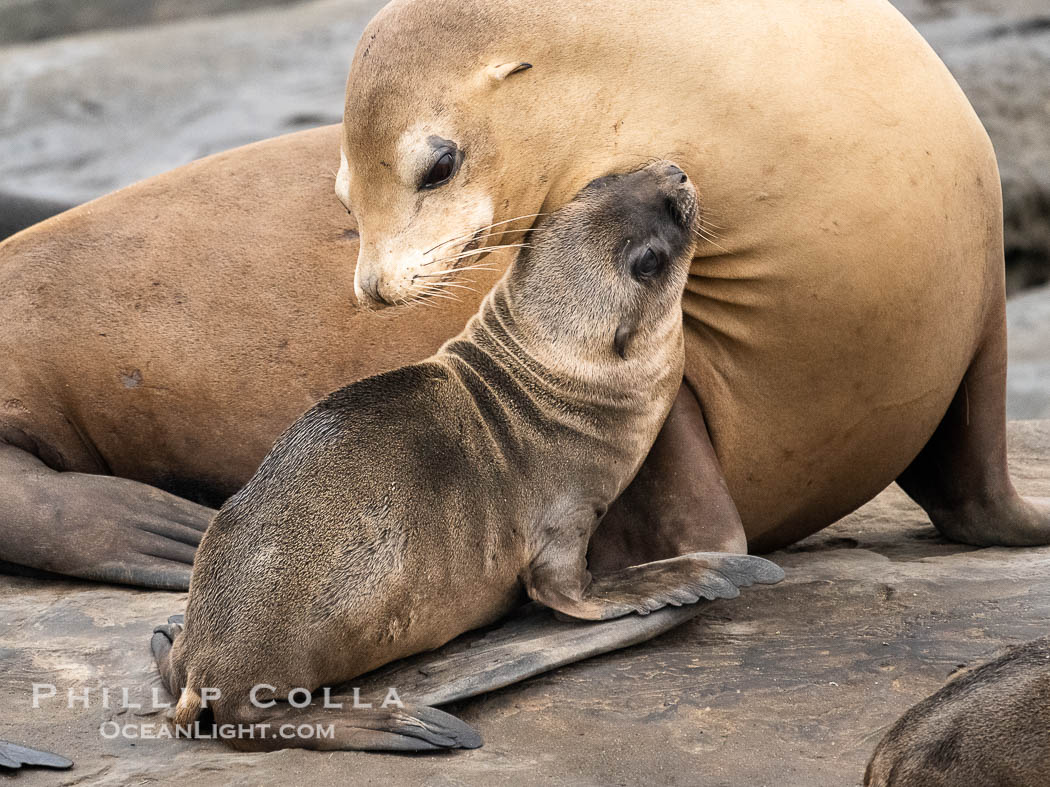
[(989, 726), (412, 506)]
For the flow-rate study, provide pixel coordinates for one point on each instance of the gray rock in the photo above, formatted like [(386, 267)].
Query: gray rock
[(85, 115), (29, 20), (792, 684), (1028, 373)]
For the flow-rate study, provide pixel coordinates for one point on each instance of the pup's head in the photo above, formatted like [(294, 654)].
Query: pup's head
[(603, 278)]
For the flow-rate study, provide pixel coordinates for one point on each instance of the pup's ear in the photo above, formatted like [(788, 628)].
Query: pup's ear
[(500, 72)]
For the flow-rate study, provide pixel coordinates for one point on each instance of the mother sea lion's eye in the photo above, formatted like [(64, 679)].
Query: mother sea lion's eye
[(440, 171), (647, 264)]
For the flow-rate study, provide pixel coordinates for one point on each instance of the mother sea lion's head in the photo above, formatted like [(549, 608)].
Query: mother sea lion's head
[(463, 121)]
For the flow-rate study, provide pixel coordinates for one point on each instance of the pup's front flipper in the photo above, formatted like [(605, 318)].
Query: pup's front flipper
[(564, 585)]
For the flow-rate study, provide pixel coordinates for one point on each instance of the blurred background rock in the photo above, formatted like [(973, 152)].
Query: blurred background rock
[(96, 94)]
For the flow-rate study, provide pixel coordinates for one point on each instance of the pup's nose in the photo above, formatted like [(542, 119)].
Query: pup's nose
[(674, 175), (678, 191)]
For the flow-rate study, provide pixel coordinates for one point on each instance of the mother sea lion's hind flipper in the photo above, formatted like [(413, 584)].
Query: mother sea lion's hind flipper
[(530, 643), (13, 756)]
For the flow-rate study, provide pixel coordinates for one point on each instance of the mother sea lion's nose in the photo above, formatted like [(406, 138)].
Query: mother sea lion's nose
[(369, 284)]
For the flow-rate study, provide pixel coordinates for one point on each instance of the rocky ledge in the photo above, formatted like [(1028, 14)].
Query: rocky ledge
[(790, 684)]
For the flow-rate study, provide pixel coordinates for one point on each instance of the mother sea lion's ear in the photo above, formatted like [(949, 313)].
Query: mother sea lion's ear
[(503, 70), (624, 333)]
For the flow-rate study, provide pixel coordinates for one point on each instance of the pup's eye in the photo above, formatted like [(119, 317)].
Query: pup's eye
[(440, 171), (647, 264)]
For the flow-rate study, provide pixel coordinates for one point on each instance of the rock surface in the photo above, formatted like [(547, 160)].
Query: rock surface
[(85, 115), (999, 50), (788, 685), (29, 20), (1028, 371)]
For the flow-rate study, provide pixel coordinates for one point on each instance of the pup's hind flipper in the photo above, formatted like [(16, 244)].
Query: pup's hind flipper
[(410, 728), (405, 729)]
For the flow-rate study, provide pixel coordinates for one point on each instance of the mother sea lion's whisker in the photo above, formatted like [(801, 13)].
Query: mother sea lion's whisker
[(479, 266), (434, 292), (476, 252), (482, 229), (525, 230), (457, 285)]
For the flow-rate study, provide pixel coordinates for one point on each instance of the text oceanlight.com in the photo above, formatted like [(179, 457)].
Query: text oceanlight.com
[(260, 730)]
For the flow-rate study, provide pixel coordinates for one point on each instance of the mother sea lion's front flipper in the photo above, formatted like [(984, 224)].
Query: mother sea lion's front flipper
[(95, 527)]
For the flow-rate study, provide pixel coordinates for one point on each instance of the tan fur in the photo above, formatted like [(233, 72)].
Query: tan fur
[(856, 262)]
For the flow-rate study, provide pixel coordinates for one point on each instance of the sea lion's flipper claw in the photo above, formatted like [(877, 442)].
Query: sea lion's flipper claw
[(162, 640), (13, 756)]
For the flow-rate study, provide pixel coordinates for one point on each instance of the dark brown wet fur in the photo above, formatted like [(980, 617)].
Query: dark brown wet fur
[(989, 726)]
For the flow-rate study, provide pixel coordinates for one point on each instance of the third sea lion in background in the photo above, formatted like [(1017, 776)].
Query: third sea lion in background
[(988, 726), (410, 507)]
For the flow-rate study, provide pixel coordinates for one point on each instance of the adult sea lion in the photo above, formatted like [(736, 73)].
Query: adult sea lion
[(844, 329), (989, 725), (412, 506)]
